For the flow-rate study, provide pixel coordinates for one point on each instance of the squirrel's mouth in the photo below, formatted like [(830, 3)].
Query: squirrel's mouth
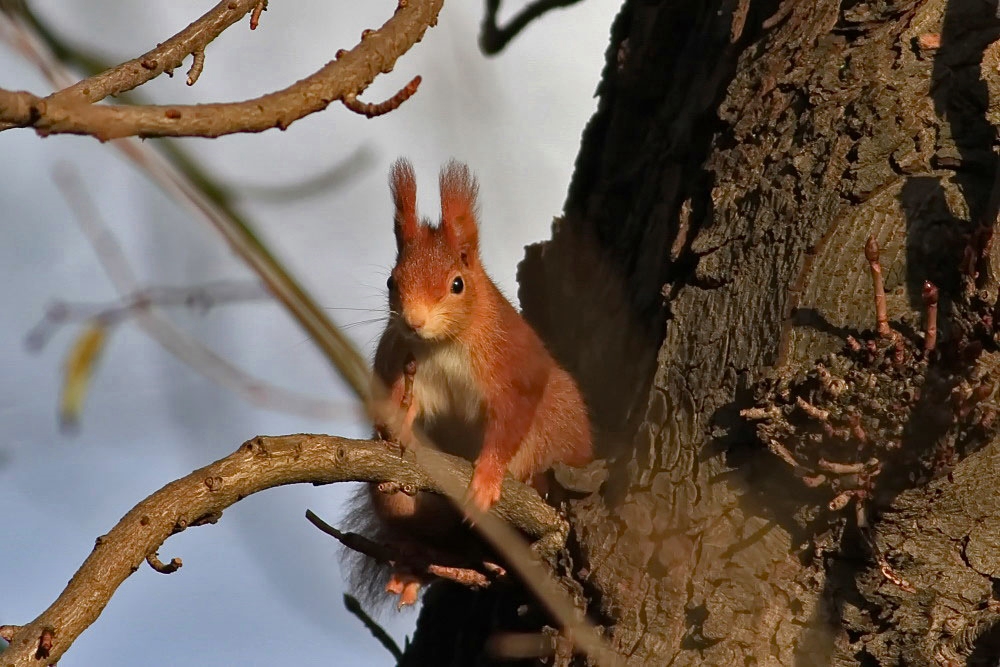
[(423, 323), (425, 333)]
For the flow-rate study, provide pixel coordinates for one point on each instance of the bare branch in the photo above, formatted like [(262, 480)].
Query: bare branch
[(371, 110), (200, 298), (163, 568), (166, 57), (322, 182), (259, 9), (241, 238), (354, 607), (418, 563), (261, 463), (189, 350), (238, 234), (353, 369), (20, 104), (196, 67), (845, 468), (524, 560), (493, 38), (66, 113), (881, 317)]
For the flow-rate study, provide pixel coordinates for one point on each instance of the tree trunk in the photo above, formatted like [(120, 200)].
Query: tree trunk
[(714, 235)]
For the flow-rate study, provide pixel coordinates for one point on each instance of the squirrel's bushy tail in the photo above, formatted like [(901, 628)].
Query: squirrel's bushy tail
[(366, 577)]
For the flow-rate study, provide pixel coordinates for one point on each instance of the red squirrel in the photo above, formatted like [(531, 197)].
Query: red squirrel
[(478, 379)]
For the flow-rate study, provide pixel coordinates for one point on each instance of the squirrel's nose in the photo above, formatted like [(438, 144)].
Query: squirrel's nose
[(416, 318)]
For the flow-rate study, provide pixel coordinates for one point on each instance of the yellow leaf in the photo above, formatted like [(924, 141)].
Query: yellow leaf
[(79, 368)]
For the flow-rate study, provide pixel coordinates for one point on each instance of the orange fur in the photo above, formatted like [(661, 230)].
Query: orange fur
[(403, 185), (532, 412), (459, 191), (485, 387)]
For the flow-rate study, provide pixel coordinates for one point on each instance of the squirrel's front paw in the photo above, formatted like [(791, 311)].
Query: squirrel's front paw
[(390, 488), (389, 436), (484, 489), (406, 586)]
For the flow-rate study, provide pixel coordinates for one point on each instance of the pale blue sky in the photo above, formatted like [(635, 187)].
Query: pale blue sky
[(262, 586)]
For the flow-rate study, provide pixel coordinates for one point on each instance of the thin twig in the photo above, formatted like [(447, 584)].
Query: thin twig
[(321, 183), (383, 637), (201, 298), (493, 38), (842, 468), (261, 463), (378, 51), (881, 311), (386, 554), (819, 414), (196, 67), (515, 551), (165, 57), (163, 568), (353, 368), (782, 453), (198, 357), (260, 8), (370, 110), (930, 295)]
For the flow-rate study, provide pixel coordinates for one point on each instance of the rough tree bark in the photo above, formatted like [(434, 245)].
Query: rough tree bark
[(713, 234)]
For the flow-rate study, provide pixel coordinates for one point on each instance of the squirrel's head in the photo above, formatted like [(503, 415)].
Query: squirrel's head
[(434, 287)]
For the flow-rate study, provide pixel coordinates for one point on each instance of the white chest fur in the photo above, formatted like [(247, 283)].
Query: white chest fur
[(443, 385)]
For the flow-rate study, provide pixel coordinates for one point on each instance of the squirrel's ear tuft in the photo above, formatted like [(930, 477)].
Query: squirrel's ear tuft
[(403, 185), (459, 207)]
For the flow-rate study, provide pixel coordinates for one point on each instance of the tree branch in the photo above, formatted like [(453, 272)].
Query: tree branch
[(166, 57), (371, 110), (67, 112), (191, 188), (175, 341), (354, 607), (261, 463), (353, 369), (493, 38), (419, 560), (199, 298)]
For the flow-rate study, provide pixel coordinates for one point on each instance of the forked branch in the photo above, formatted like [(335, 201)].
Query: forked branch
[(420, 561), (261, 463), (72, 110), (493, 37)]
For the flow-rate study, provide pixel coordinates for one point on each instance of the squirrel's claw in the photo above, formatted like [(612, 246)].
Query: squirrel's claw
[(406, 586), (484, 489)]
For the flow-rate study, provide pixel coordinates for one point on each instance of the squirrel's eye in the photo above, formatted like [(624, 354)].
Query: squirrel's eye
[(457, 285), (390, 283)]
